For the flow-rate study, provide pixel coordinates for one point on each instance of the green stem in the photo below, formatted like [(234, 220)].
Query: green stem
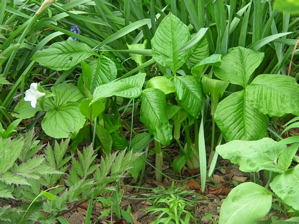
[(159, 161)]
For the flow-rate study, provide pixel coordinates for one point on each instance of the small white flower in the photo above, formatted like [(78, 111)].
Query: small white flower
[(33, 94)]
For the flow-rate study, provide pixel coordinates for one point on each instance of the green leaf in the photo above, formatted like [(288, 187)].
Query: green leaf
[(253, 156), (65, 93), (287, 156), (138, 58), (214, 60), (162, 83), (238, 65), (286, 186), (274, 95), (170, 37), (3, 81), (4, 193), (24, 110), (91, 111), (247, 203), (105, 139), (63, 121), (103, 71), (49, 196), (290, 6), (63, 55), (128, 87), (237, 119), (11, 178), (153, 115), (189, 93), (9, 151), (214, 87)]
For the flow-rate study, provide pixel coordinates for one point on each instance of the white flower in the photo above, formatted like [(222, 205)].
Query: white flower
[(33, 94)]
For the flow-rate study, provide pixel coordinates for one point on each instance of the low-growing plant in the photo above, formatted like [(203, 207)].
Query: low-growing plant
[(171, 205), (251, 200), (25, 175)]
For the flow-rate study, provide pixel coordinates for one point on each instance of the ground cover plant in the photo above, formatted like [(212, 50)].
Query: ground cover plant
[(98, 94)]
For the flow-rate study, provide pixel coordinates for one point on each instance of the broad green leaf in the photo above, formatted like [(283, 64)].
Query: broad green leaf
[(237, 119), (162, 83), (274, 95), (189, 92), (214, 87), (128, 87), (153, 115), (91, 111), (286, 187), (214, 60), (247, 203), (24, 110), (63, 121), (171, 35), (65, 93), (63, 55), (9, 151), (103, 71), (253, 156), (289, 6), (105, 139), (199, 52), (238, 65)]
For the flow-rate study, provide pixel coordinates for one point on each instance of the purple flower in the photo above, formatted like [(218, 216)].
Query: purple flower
[(76, 30)]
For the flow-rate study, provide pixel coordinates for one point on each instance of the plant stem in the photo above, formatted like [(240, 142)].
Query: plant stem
[(159, 161)]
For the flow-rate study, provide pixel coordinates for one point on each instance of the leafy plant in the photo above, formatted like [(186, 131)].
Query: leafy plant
[(251, 199), (171, 205)]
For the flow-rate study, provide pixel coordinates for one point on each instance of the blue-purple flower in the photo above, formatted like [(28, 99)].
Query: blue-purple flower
[(75, 29)]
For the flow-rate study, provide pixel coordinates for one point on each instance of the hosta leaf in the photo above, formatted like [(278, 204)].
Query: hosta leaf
[(237, 119), (189, 92), (162, 83), (286, 186), (247, 203), (103, 71), (238, 65), (128, 87), (9, 151), (274, 95), (170, 37), (153, 115), (253, 156), (63, 121), (65, 93), (63, 55)]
